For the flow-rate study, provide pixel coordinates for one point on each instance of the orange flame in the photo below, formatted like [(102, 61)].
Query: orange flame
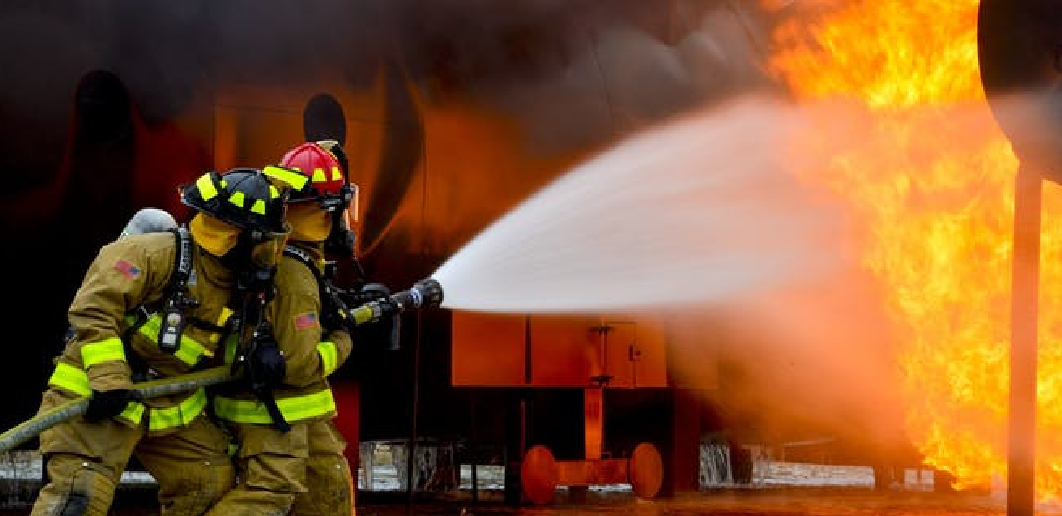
[(932, 180)]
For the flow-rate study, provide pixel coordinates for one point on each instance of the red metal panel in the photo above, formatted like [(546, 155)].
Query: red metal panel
[(592, 472), (621, 339), (565, 350), (348, 418), (650, 353), (562, 348), (594, 422), (488, 349)]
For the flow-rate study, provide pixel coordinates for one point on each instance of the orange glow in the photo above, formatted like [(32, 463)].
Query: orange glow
[(932, 182)]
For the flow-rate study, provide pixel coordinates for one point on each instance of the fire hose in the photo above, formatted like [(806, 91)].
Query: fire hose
[(73, 408), (424, 294)]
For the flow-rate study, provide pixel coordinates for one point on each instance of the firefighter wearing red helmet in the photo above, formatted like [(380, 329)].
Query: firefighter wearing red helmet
[(303, 468), (155, 306)]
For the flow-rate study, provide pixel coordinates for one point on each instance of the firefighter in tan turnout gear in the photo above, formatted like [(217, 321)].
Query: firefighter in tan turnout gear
[(288, 447), (154, 306), (317, 220)]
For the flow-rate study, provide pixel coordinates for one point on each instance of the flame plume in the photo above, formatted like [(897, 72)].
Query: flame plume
[(931, 180)]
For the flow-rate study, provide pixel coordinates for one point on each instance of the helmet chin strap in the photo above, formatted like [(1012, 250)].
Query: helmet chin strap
[(249, 254), (341, 240)]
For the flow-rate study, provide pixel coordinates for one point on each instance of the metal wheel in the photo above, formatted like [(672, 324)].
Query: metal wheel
[(646, 470), (538, 475)]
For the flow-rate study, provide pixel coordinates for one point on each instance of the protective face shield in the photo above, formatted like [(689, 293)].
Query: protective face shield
[(342, 238)]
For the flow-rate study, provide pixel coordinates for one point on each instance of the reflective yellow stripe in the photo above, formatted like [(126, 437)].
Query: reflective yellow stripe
[(206, 187), (258, 207), (231, 344), (76, 381), (189, 351), (293, 408), (223, 318), (295, 179), (178, 415), (134, 412), (236, 198), (70, 378), (329, 356), (336, 175), (102, 351), (319, 175), (273, 192)]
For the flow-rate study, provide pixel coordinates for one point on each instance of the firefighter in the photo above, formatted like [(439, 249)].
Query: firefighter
[(153, 306), (295, 452), (317, 219)]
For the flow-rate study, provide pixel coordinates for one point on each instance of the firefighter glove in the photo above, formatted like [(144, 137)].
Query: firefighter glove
[(265, 364), (107, 404)]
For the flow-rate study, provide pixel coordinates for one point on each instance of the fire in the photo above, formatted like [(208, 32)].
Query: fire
[(932, 180)]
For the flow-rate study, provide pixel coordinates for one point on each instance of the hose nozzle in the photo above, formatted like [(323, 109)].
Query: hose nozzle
[(426, 293), (429, 293)]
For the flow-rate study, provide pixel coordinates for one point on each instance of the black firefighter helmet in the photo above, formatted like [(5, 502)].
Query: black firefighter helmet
[(243, 197)]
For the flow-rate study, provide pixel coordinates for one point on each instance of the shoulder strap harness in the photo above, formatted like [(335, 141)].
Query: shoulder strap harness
[(334, 312)]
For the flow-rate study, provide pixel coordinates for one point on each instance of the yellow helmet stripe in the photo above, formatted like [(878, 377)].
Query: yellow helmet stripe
[(319, 175), (206, 187), (336, 174), (258, 207), (237, 199), (273, 192), (295, 179)]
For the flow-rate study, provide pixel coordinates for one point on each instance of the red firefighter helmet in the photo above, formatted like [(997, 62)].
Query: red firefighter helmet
[(328, 182)]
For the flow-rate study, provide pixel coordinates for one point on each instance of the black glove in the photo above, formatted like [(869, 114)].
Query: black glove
[(265, 362), (107, 404)]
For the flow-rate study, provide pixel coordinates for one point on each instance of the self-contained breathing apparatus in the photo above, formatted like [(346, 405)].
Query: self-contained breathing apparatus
[(337, 302), (254, 290), (172, 311), (259, 361), (173, 318), (325, 165), (250, 200)]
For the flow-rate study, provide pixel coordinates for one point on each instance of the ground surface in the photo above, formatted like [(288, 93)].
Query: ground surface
[(757, 502), (779, 488)]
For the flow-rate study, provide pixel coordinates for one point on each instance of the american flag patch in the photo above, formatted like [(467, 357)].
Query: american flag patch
[(127, 269), (306, 320)]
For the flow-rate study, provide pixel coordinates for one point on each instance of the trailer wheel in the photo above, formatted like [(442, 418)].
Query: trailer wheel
[(538, 475), (646, 470)]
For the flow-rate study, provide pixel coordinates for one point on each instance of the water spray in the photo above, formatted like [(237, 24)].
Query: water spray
[(704, 209)]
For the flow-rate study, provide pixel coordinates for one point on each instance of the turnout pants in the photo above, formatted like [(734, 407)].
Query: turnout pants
[(330, 483), (271, 466), (85, 462)]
